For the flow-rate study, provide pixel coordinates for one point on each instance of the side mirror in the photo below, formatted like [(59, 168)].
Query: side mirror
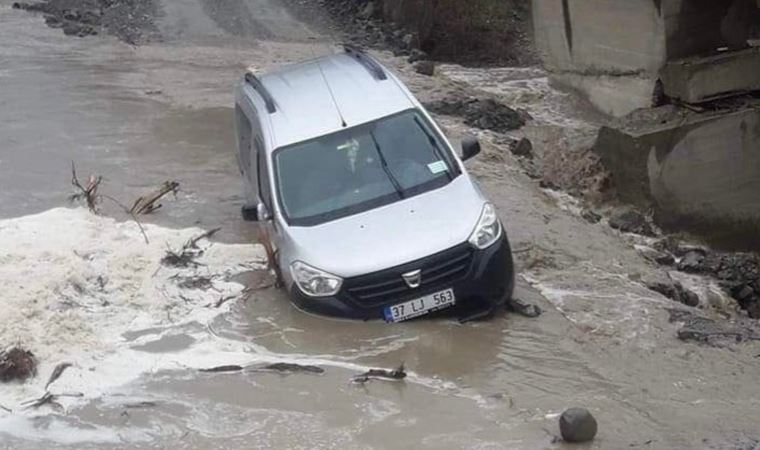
[(470, 147), (255, 213), (262, 212)]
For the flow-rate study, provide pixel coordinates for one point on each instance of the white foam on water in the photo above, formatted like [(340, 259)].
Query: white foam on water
[(521, 87), (602, 302), (75, 285)]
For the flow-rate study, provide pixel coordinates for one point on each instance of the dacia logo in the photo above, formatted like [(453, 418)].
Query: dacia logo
[(413, 278)]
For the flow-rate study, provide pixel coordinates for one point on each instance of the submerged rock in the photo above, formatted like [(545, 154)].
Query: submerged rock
[(675, 291), (591, 216), (483, 113), (416, 55), (738, 273), (691, 262), (523, 308), (523, 147), (425, 68), (660, 257), (577, 425), (708, 331), (629, 221)]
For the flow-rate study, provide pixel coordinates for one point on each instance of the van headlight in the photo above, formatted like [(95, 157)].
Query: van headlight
[(314, 282), (488, 229)]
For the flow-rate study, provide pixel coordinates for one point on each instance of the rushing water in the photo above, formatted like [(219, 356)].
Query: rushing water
[(142, 115)]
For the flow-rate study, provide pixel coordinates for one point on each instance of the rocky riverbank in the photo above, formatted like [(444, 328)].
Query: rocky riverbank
[(479, 33), (132, 21)]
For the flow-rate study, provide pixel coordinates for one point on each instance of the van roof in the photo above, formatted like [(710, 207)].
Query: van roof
[(328, 94)]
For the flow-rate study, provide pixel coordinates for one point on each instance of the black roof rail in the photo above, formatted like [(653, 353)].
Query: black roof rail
[(375, 69), (256, 84)]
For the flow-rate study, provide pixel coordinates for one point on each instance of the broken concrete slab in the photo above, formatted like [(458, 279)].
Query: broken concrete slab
[(699, 171), (698, 80)]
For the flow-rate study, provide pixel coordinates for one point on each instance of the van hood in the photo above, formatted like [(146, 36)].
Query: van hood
[(393, 234)]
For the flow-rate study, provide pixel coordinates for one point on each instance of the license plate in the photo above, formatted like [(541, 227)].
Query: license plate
[(420, 306)]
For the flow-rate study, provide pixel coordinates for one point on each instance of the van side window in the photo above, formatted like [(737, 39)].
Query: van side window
[(265, 192), (244, 140)]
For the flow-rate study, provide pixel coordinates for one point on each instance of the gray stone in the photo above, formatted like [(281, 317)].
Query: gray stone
[(655, 255), (744, 293), (523, 147), (577, 425), (675, 291), (691, 262), (483, 113), (689, 298), (425, 68), (629, 221), (591, 216), (523, 308), (408, 40), (415, 55), (666, 259), (368, 11)]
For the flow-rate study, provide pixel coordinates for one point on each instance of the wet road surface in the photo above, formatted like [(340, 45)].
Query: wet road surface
[(143, 115)]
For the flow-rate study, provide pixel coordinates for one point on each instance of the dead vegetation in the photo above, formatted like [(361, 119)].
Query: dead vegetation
[(17, 364), (187, 254), (91, 196), (399, 373), (57, 372), (89, 193), (200, 282), (148, 203), (49, 398)]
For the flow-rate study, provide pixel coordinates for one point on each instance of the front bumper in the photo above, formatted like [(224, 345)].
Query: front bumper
[(486, 285)]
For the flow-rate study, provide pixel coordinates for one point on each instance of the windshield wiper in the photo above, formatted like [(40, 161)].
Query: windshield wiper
[(434, 142), (386, 169)]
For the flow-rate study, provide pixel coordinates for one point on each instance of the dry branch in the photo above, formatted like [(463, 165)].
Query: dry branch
[(134, 218), (49, 399), (89, 193), (57, 372), (148, 203), (185, 256)]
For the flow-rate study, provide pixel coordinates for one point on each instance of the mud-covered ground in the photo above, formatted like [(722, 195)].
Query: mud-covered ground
[(87, 290)]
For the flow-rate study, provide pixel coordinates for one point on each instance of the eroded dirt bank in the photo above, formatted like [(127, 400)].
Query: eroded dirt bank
[(162, 110)]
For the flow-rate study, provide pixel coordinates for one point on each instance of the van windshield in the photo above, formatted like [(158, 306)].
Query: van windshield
[(361, 168)]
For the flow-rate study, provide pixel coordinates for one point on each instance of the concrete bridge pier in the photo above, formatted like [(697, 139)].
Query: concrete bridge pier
[(697, 161)]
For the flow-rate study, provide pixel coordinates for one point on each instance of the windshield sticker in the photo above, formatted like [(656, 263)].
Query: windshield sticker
[(437, 167)]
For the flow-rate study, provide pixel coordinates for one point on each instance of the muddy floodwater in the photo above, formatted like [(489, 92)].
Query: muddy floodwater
[(88, 290)]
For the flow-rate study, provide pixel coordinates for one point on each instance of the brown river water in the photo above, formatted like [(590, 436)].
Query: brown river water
[(142, 115)]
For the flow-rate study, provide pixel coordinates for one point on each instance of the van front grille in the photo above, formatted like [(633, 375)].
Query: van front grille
[(438, 271)]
